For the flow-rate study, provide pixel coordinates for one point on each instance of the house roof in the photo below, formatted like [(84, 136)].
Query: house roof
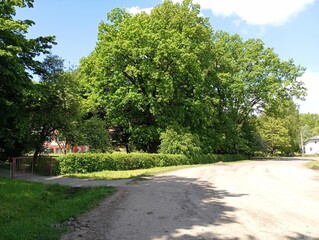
[(313, 138)]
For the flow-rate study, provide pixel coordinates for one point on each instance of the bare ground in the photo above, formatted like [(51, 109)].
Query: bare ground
[(251, 200)]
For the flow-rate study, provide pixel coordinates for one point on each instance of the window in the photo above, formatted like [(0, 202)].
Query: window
[(310, 149)]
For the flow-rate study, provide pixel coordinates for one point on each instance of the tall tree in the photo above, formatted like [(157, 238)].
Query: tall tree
[(151, 71), (309, 126), (55, 103), (286, 111), (248, 79), (93, 132), (17, 63), (275, 133), (148, 70), (310, 121)]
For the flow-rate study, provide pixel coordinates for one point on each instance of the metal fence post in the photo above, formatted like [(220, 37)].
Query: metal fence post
[(13, 167), (51, 166)]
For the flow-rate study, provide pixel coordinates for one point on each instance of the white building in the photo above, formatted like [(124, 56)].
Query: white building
[(312, 146)]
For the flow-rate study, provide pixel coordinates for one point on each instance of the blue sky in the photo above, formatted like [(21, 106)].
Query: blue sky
[(287, 26)]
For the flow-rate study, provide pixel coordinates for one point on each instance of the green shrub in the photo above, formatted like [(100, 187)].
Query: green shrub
[(176, 140), (42, 165), (56, 166), (92, 162)]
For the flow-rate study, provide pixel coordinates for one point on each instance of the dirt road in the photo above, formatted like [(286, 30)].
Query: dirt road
[(252, 200)]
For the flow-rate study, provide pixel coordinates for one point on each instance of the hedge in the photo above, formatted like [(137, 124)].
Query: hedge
[(93, 162)]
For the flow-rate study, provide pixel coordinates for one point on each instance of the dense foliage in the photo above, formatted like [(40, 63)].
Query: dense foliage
[(33, 112), (54, 104), (17, 63), (151, 71), (309, 125), (92, 162), (179, 141), (160, 82), (146, 70)]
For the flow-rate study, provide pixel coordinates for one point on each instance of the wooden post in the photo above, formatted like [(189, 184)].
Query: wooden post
[(32, 165), (10, 174), (301, 143), (13, 167), (51, 166)]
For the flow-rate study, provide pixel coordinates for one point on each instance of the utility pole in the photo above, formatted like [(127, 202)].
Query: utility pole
[(301, 142)]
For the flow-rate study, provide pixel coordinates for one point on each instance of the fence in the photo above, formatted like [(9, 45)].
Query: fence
[(22, 166), (43, 166), (6, 169), (25, 166)]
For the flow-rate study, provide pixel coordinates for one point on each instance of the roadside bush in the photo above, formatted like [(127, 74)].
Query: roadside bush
[(42, 165), (56, 167), (178, 141), (93, 162)]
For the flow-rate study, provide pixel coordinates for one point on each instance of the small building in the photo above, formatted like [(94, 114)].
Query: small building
[(54, 147), (312, 146)]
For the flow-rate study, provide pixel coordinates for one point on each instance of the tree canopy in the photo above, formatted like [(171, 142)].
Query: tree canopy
[(17, 64), (250, 79), (55, 103), (148, 69), (309, 125), (151, 71), (163, 81)]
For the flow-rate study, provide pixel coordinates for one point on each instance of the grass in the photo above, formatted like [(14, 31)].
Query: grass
[(313, 165), (30, 210), (113, 175)]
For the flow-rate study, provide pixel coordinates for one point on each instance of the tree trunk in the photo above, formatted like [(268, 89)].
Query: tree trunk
[(127, 148), (153, 146), (237, 149)]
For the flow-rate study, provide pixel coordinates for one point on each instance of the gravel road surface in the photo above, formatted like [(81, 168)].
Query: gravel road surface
[(277, 199)]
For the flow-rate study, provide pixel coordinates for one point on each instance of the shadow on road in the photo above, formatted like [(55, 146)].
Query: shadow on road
[(306, 159), (178, 207), (170, 207), (300, 236)]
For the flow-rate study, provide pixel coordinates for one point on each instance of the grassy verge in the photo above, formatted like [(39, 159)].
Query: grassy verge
[(113, 175), (30, 210), (313, 165)]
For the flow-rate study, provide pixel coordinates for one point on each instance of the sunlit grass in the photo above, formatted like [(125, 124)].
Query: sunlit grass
[(113, 175), (30, 210), (313, 165)]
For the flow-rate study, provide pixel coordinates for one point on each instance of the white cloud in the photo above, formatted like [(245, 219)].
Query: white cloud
[(256, 12), (136, 10), (311, 105)]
